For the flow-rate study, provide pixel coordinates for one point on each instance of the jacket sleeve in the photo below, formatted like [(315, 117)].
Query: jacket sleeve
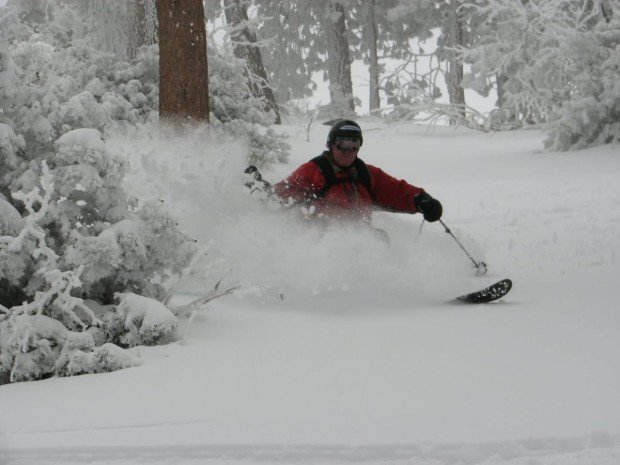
[(301, 185), (391, 193)]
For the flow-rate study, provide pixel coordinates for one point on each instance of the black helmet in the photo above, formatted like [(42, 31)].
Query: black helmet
[(344, 128)]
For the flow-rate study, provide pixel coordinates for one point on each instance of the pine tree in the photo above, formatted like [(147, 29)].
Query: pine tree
[(142, 29), (183, 71), (339, 60), (246, 48), (453, 32), (556, 63), (374, 99), (305, 38), (446, 16), (291, 56), (117, 26), (386, 34), (326, 36)]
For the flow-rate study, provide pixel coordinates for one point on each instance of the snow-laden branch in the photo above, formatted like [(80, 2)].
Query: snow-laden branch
[(59, 283), (37, 205), (539, 48)]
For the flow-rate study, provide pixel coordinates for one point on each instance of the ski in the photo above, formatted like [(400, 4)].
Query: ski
[(488, 294)]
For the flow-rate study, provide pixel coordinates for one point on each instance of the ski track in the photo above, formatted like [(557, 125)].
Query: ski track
[(598, 449)]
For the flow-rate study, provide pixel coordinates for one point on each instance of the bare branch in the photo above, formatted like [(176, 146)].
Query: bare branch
[(187, 309)]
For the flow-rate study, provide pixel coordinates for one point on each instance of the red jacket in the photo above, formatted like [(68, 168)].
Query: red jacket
[(347, 199)]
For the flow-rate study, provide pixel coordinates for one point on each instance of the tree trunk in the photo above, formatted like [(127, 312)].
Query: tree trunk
[(339, 68), (500, 80), (607, 10), (237, 16), (137, 27), (374, 98), (183, 71), (508, 114), (455, 63)]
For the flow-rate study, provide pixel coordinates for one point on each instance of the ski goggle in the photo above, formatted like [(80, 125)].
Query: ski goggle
[(345, 144)]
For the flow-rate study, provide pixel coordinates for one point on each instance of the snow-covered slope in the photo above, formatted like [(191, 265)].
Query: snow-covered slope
[(364, 351)]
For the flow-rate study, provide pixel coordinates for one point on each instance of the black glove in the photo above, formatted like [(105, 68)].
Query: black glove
[(429, 207)]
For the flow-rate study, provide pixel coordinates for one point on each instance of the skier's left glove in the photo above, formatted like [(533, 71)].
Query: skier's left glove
[(429, 207)]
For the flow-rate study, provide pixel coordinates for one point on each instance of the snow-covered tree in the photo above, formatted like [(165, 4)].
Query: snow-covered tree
[(74, 246), (372, 40), (50, 85), (142, 25), (453, 29), (83, 265), (286, 34), (116, 91), (325, 37), (308, 37), (81, 239), (454, 39), (377, 36), (246, 47), (117, 26), (591, 114), (240, 113), (79, 243), (554, 61)]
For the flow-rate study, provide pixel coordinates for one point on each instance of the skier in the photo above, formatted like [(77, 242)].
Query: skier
[(338, 184)]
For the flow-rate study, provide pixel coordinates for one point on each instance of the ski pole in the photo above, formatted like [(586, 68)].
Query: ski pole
[(481, 267)]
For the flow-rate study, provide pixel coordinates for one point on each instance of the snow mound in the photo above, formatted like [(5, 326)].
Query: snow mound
[(33, 347), (106, 358), (147, 321), (80, 139)]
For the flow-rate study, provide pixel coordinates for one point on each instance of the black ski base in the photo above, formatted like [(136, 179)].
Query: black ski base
[(488, 294)]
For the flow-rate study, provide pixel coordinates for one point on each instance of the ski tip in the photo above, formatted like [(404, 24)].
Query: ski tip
[(488, 294)]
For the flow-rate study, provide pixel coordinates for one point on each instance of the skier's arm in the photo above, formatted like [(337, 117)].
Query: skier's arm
[(394, 194), (301, 186), (389, 192)]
